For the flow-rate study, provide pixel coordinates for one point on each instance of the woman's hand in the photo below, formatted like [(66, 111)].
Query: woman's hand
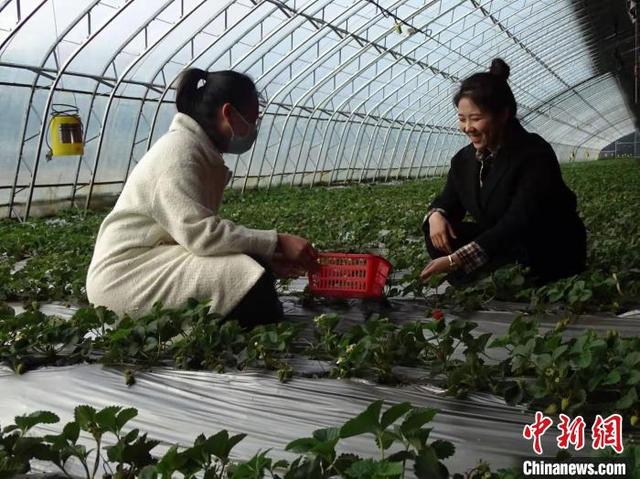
[(440, 231), (296, 252), (284, 269), (438, 265)]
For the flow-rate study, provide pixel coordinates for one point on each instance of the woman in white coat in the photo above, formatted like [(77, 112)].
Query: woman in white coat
[(164, 240)]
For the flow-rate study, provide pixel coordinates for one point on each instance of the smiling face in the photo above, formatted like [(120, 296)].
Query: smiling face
[(483, 129)]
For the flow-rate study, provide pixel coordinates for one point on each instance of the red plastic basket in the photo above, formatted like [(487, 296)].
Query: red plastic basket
[(346, 275)]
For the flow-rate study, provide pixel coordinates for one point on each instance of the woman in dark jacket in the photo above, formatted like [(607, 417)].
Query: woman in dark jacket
[(508, 180)]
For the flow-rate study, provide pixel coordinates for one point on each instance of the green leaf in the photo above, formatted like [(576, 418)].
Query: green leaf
[(416, 419), (584, 359), (394, 413), (612, 378), (302, 445), (148, 472), (632, 359), (427, 466), (327, 434), (25, 423), (628, 400), (365, 422), (221, 444), (85, 416), (106, 418), (559, 351), (633, 378), (371, 469), (386, 439), (170, 462), (443, 449), (71, 432), (125, 416)]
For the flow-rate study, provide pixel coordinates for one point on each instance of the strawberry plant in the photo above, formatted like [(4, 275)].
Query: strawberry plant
[(583, 375), (130, 454)]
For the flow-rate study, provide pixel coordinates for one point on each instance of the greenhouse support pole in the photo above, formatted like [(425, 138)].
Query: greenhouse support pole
[(27, 115), (157, 72), (196, 58), (21, 22), (326, 137), (283, 34), (293, 81), (123, 75), (110, 63), (326, 79), (52, 91)]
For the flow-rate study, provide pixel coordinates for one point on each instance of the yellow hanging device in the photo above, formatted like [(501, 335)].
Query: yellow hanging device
[(65, 132)]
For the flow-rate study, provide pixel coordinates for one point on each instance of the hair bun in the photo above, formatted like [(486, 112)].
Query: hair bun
[(500, 69)]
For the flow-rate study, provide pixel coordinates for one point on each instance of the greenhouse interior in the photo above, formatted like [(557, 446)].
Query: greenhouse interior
[(426, 262)]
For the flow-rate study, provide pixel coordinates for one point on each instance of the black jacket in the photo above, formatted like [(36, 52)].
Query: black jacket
[(524, 203)]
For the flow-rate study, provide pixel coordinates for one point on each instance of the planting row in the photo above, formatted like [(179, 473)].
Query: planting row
[(382, 218), (401, 435), (586, 375)]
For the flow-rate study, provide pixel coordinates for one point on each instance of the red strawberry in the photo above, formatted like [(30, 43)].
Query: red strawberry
[(437, 314)]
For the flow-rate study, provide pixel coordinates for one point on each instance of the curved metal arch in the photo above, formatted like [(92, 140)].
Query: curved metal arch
[(278, 32), (383, 115), (397, 144), (27, 115), (123, 75), (417, 144), (52, 90), (536, 109), (157, 72), (440, 125), (108, 64), (433, 69), (18, 27), (331, 75), (322, 32), (550, 101), (576, 107), (301, 75), (389, 130), (197, 57), (388, 133), (519, 88), (533, 55), (330, 97), (326, 28), (533, 78)]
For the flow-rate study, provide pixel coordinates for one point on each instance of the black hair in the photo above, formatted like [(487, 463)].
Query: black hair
[(200, 101), (490, 90)]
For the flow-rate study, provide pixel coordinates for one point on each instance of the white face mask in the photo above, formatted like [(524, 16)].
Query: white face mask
[(242, 144)]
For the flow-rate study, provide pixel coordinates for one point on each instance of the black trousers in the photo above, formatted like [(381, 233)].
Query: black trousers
[(261, 304)]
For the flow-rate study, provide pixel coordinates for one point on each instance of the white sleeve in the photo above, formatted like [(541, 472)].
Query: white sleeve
[(179, 205)]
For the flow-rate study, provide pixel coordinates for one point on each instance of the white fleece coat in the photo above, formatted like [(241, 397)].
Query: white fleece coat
[(164, 241)]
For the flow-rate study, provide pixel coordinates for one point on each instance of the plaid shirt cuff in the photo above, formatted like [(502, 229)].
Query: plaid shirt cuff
[(471, 257), (432, 211)]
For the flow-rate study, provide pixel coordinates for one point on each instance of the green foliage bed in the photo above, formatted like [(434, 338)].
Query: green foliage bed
[(379, 217)]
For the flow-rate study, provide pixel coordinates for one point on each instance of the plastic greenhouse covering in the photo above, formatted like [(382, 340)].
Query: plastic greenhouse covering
[(352, 89)]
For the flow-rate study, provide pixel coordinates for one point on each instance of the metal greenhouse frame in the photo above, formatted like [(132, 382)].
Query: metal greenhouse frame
[(355, 90)]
